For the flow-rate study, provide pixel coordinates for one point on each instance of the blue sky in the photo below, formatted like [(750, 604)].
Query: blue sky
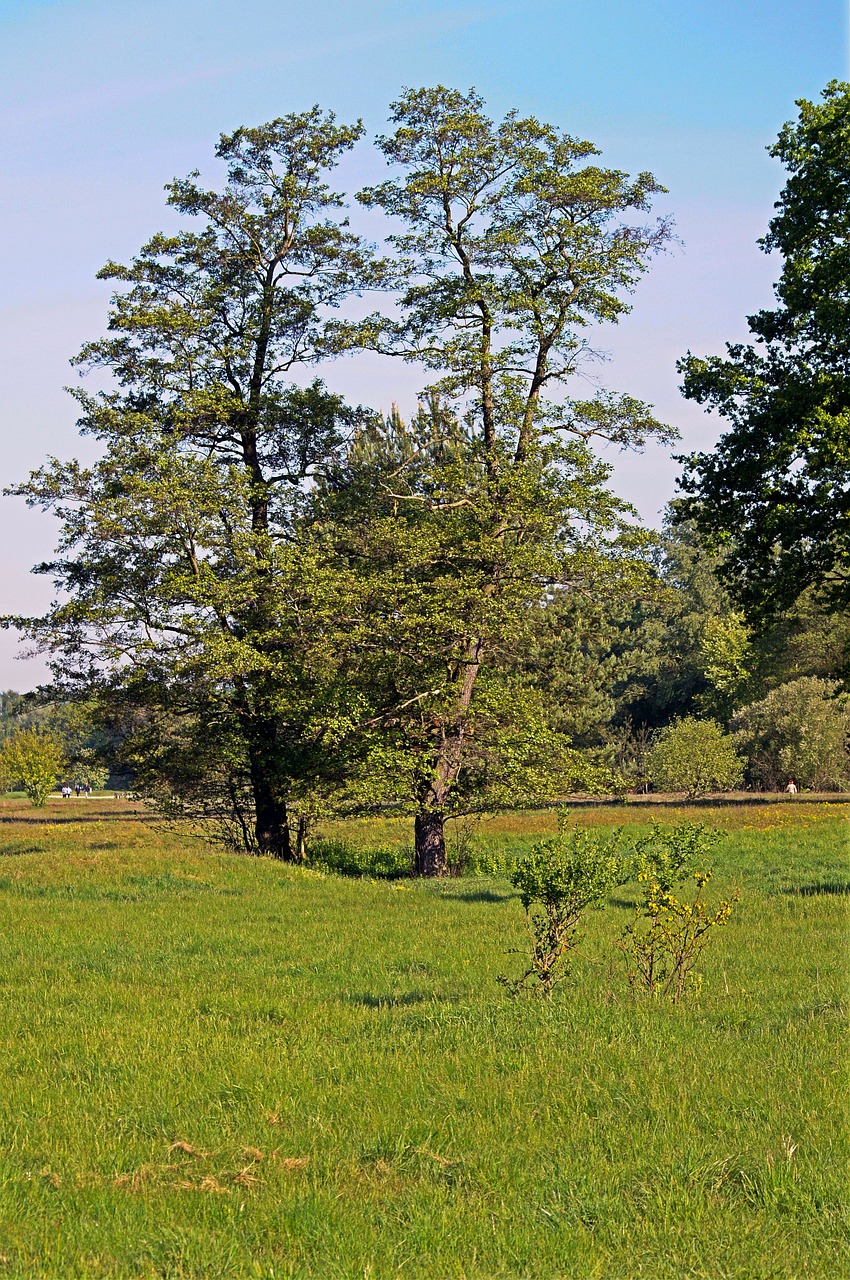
[(101, 103)]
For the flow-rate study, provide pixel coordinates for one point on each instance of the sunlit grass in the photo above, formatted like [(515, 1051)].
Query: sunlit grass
[(216, 1066)]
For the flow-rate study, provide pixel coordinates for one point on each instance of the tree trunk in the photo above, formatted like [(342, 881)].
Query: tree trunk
[(301, 839), (430, 843), (271, 821)]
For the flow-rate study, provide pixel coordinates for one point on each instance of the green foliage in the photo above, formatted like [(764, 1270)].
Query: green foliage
[(809, 640), (73, 724), (726, 651), (695, 756), (683, 649), (12, 706), (558, 881), (662, 637), (800, 730), (214, 638), (27, 711), (87, 770), (461, 594), (669, 934), (511, 231), (629, 747), (629, 650), (508, 240), (582, 649), (773, 492), (281, 601), (346, 859), (33, 760), (666, 855)]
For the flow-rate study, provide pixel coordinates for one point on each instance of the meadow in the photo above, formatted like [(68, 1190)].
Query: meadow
[(217, 1066)]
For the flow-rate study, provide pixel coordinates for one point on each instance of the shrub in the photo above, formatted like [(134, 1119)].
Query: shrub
[(668, 934), (351, 860), (799, 730), (558, 880), (670, 854), (460, 856), (695, 756), (34, 760)]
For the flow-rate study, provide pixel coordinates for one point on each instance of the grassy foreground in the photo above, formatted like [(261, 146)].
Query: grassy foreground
[(218, 1067)]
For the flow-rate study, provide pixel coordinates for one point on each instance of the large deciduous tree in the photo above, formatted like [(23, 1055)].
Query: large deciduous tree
[(411, 512), (775, 493), (510, 241), (270, 588), (799, 730), (186, 593)]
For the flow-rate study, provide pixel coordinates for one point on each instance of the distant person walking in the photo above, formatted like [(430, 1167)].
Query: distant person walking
[(792, 787)]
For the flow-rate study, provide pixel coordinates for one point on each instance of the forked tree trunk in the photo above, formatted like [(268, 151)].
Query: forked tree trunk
[(430, 843)]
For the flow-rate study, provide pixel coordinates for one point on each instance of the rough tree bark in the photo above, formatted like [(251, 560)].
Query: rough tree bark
[(429, 839), (430, 843), (271, 819)]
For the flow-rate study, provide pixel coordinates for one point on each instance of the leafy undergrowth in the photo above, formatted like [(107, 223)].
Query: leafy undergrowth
[(219, 1067)]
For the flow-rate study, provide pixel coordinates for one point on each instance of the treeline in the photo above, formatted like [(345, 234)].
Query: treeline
[(274, 605), (613, 670), (617, 671)]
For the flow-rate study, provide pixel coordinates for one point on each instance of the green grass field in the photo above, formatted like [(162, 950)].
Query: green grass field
[(218, 1067)]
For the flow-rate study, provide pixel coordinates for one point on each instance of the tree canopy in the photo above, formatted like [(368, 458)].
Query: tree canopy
[(273, 604), (511, 241), (775, 493), (279, 596), (186, 598)]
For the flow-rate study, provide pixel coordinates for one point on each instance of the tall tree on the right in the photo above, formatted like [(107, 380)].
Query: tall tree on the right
[(509, 243), (775, 493)]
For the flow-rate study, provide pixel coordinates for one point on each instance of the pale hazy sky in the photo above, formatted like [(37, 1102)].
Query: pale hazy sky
[(102, 102)]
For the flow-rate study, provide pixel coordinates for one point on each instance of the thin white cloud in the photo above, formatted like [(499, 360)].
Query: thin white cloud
[(128, 90)]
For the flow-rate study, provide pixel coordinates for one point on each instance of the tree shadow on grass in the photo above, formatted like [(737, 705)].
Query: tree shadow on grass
[(481, 895), (47, 818), (834, 887), (373, 1000), (733, 800)]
